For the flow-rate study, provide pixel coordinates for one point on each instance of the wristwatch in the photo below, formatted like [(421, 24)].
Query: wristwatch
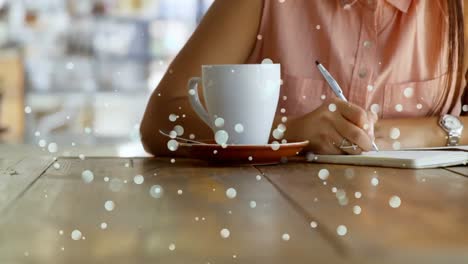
[(452, 125)]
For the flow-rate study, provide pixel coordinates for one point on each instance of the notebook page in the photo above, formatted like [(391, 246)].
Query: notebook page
[(404, 159), (396, 154), (460, 148)]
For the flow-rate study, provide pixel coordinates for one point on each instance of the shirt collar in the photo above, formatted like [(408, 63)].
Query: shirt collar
[(402, 5)]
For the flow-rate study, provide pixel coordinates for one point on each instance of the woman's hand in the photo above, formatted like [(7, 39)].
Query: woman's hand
[(336, 127), (394, 134)]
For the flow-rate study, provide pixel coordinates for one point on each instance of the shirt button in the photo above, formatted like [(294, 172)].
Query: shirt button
[(362, 73), (367, 44)]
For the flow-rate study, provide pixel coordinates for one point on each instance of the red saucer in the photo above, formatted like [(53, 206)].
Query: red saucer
[(242, 154)]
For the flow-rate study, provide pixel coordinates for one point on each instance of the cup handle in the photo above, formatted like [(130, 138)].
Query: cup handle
[(195, 100)]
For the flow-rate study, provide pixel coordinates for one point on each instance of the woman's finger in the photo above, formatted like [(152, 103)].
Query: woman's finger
[(353, 133), (370, 128), (336, 141), (353, 113), (348, 147)]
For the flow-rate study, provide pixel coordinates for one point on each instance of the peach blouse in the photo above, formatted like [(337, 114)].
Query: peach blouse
[(387, 55)]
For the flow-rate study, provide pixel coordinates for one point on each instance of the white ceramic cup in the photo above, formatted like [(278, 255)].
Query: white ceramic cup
[(241, 101)]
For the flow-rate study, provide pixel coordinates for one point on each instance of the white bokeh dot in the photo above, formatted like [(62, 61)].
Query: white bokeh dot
[(275, 145), (323, 174), (109, 205), (219, 122), (267, 61), (313, 224), (394, 201), (408, 92), (52, 147), (399, 107), (156, 191), (375, 108), (374, 181), (173, 117), (76, 234), (357, 209), (138, 179), (281, 127), (221, 137), (278, 134), (172, 247), (231, 193), (358, 195), (42, 143), (173, 134), (341, 230), (87, 176), (394, 133), (225, 233), (179, 130), (172, 145), (239, 128)]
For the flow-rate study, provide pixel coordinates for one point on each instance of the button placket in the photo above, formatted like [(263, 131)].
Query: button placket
[(363, 71)]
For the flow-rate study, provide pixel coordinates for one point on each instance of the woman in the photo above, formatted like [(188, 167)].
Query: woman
[(400, 64)]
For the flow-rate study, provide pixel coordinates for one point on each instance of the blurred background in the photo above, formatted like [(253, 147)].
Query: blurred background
[(77, 74)]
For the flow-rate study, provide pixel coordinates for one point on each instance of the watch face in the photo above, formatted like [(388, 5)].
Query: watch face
[(452, 123)]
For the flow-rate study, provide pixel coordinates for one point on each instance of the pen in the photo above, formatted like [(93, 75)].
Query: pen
[(336, 89)]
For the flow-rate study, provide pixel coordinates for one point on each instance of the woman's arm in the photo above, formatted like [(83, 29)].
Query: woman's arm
[(415, 132), (226, 35)]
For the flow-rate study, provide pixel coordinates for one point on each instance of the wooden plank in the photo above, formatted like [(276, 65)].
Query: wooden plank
[(6, 163), (460, 170), (16, 175), (430, 226), (141, 228)]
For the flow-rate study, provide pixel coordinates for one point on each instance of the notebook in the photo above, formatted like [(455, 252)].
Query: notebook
[(411, 159)]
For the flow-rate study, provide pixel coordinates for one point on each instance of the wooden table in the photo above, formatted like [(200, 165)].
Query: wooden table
[(269, 220)]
